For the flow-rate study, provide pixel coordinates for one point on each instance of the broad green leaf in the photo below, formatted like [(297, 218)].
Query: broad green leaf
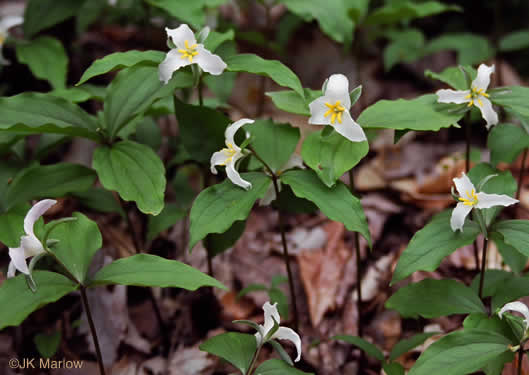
[(461, 352), (493, 280), (371, 349), (201, 129), (192, 12), (218, 207), (492, 324), (222, 86), (273, 142), (135, 172), (336, 203), (406, 46), (515, 41), (279, 349), (236, 348), (89, 13), (151, 270), (401, 11), (216, 243), (121, 60), (170, 215), (290, 101), (49, 181), (46, 59), (272, 69), (422, 113), (393, 368), (405, 345), (18, 301), (510, 290), (515, 233), (331, 156), (148, 133), (276, 295), (99, 200), (453, 76), (12, 225), (48, 143), (215, 39), (47, 345), (514, 99), (506, 142), (512, 257), (41, 14), (288, 202), (79, 240), (34, 113), (278, 367), (471, 48), (431, 244)]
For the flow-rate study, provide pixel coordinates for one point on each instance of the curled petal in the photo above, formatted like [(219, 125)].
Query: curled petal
[(338, 89), (487, 111), (218, 158), (270, 313), (463, 185), (234, 176), (172, 62), (350, 129), (18, 259), (452, 96), (270, 195), (10, 21), (284, 333), (209, 62), (259, 336), (180, 35), (459, 214), (516, 306), (230, 131), (318, 109), (31, 245), (482, 80), (35, 213), (295, 161), (490, 200), (11, 269)]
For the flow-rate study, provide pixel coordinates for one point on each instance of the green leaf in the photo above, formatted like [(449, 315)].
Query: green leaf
[(422, 113), (514, 100), (492, 281), (331, 156), (218, 243), (218, 207), (18, 301), (121, 60), (405, 345), (192, 13), (135, 172), (170, 215), (79, 240), (278, 367), (88, 14), (34, 113), (46, 59), (50, 181), (506, 142), (513, 258), (453, 76), (41, 14), (100, 200), (236, 348), (510, 290), (47, 345), (276, 295), (273, 142), (393, 368), (402, 11), (290, 101), (215, 39), (272, 69), (252, 288), (151, 270), (515, 233), (492, 324), (515, 41), (148, 133), (12, 225), (406, 46), (336, 203), (282, 353), (431, 244), (431, 298), (461, 352), (471, 48), (359, 342)]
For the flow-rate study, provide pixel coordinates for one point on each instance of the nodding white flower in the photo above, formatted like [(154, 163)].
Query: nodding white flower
[(5, 24), (188, 52), (477, 95), (229, 156), (30, 245), (519, 307), (282, 333), (333, 109), (295, 161), (469, 199)]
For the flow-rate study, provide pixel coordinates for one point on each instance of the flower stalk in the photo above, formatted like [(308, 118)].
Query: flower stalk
[(521, 175), (483, 266), (86, 307), (358, 265)]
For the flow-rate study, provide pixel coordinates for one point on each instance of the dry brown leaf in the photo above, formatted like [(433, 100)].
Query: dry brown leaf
[(191, 361), (236, 309)]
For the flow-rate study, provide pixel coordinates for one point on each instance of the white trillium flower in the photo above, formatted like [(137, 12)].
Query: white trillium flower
[(30, 245), (282, 333), (229, 156), (519, 307), (188, 52), (477, 95), (333, 109), (469, 199), (5, 24), (295, 161)]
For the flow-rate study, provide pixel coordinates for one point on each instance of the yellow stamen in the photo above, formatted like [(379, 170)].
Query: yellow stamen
[(335, 111), (471, 200), (475, 95), (229, 152), (189, 51)]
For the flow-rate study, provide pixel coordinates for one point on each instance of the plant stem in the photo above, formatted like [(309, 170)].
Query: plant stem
[(92, 328), (254, 360), (521, 175), (483, 267), (468, 133), (358, 265), (520, 359), (199, 89)]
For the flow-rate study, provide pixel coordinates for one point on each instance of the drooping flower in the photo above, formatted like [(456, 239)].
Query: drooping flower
[(295, 161), (476, 95), (188, 52), (282, 333), (519, 307), (5, 24), (229, 156), (469, 199), (30, 245), (333, 109)]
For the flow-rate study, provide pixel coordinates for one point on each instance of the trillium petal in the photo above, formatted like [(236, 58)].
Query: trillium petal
[(180, 35), (516, 306), (338, 89), (209, 62), (31, 245), (317, 111), (235, 177), (35, 213), (10, 21), (463, 185), (218, 158), (19, 260), (230, 131), (459, 214), (487, 111), (269, 196), (482, 80), (172, 62), (11, 269), (295, 161), (490, 200), (270, 313), (350, 129), (452, 96), (285, 333)]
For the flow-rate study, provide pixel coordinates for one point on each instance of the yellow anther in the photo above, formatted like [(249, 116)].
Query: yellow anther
[(471, 199), (475, 95), (2, 38), (335, 111), (470, 103), (229, 152), (189, 52)]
